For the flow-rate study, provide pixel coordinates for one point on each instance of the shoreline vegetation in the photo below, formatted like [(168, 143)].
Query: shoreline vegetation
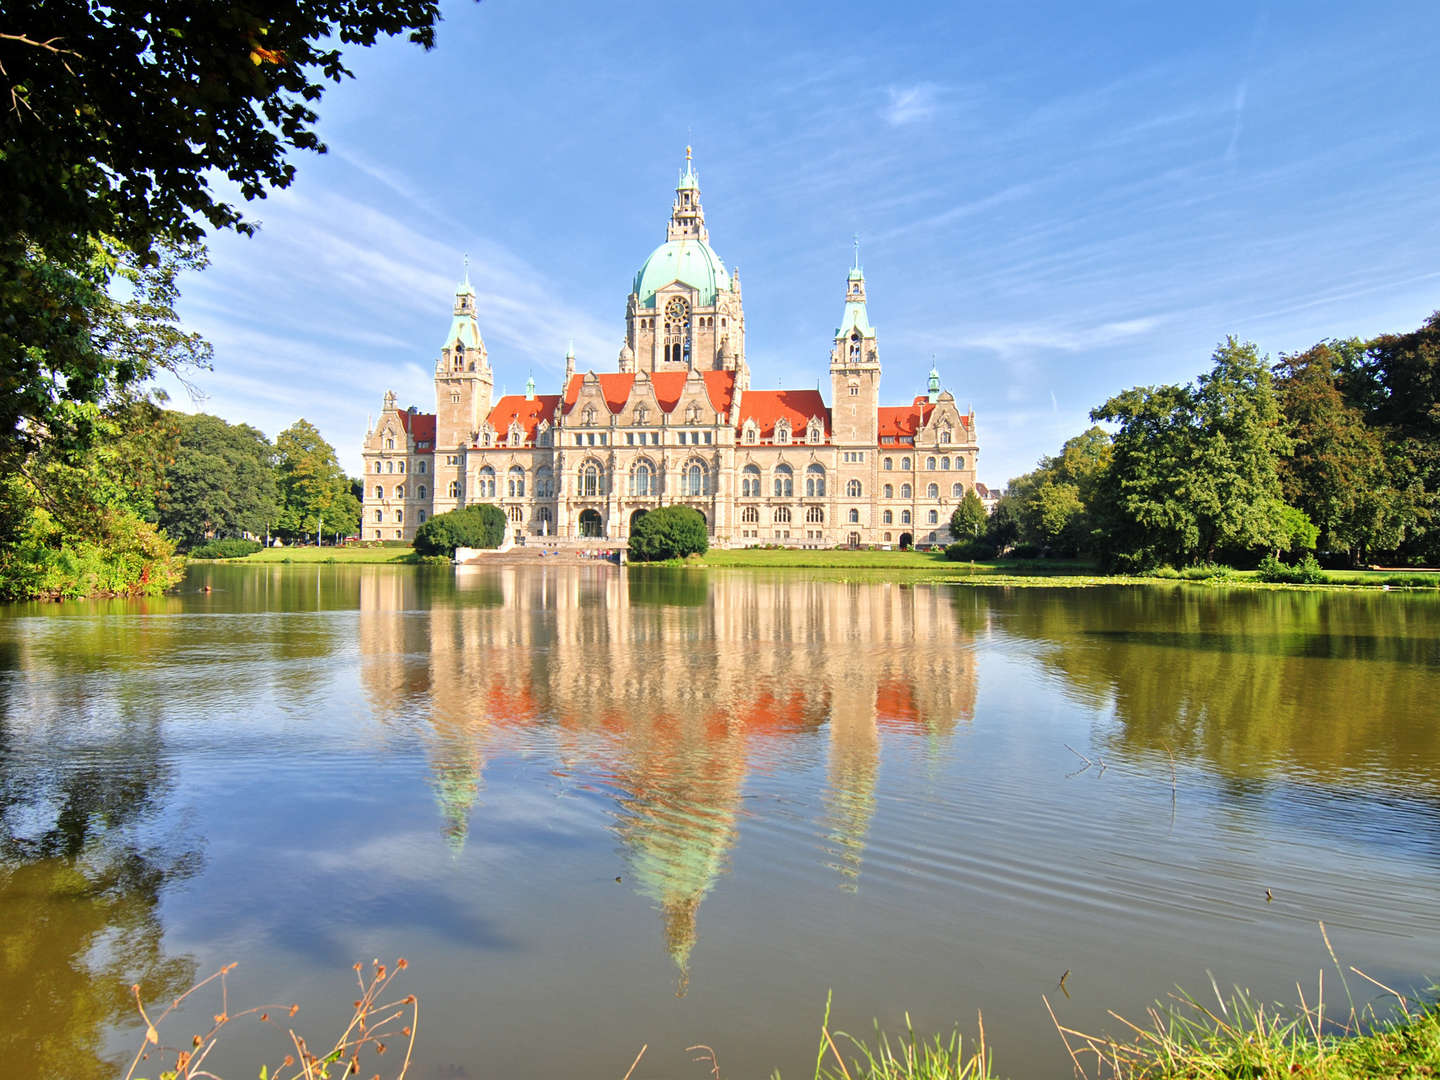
[(904, 566), (1183, 1039)]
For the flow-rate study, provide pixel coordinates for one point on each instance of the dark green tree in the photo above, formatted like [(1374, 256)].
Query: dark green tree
[(479, 525), (969, 519), (116, 118), (1195, 468), (1338, 473), (221, 483), (670, 532), (313, 490)]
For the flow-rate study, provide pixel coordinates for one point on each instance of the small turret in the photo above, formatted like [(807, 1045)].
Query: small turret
[(933, 393)]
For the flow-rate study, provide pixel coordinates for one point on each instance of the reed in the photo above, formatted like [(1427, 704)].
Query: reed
[(1240, 1036)]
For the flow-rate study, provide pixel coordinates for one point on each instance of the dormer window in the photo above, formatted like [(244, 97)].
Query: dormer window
[(782, 432)]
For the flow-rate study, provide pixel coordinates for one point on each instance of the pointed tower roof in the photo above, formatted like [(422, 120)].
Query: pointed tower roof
[(856, 317), (464, 326), (686, 255)]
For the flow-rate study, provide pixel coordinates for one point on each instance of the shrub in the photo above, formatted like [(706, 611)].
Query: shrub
[(1306, 572), (969, 551), (478, 526), (671, 532), (225, 549)]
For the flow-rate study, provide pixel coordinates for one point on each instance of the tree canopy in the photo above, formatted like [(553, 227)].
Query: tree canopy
[(221, 482), (669, 532), (479, 525), (314, 491)]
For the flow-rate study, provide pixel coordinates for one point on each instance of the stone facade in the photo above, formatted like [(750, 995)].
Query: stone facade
[(677, 422)]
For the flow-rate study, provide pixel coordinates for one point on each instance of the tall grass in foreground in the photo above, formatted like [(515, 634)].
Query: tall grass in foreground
[(908, 1057), (1242, 1037)]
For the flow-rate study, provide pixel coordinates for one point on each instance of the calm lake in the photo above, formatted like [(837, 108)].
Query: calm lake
[(597, 809)]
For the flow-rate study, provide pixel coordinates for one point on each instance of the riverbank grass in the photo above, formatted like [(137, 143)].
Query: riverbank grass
[(1243, 1038), (402, 553)]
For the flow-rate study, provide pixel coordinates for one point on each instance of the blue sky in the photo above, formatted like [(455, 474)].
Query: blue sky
[(1055, 201)]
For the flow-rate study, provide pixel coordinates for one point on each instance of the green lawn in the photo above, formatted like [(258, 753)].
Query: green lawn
[(354, 554)]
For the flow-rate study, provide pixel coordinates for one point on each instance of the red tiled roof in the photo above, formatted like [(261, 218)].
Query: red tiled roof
[(529, 411), (669, 385), (904, 420), (767, 407), (420, 426)]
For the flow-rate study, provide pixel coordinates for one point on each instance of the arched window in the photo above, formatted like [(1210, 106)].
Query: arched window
[(815, 482), (389, 444), (544, 483), (642, 479), (696, 479), (750, 516), (944, 435), (515, 482), (422, 517), (379, 492), (852, 489), (677, 330), (886, 517), (400, 466), (399, 515), (751, 435), (888, 491), (515, 513), (888, 464), (389, 466), (855, 341), (815, 516), (905, 464), (853, 517), (933, 491), (904, 491), (454, 489), (784, 481), (904, 517), (944, 463), (544, 515), (420, 492), (379, 515), (957, 491), (930, 462), (750, 482), (379, 467), (959, 463), (814, 434), (485, 483), (933, 517), (592, 479), (422, 466), (782, 515), (399, 491), (782, 432)]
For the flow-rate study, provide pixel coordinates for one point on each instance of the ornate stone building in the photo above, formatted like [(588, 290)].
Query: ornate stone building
[(677, 422)]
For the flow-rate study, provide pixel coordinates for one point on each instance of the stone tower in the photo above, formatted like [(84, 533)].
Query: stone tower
[(684, 311), (855, 368), (464, 386)]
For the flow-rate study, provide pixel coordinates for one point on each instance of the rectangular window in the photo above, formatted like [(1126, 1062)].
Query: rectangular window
[(707, 438), (602, 438), (654, 438), (629, 438), (592, 438), (579, 440)]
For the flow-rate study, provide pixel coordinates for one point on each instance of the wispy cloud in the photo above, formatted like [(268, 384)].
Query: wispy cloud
[(910, 104)]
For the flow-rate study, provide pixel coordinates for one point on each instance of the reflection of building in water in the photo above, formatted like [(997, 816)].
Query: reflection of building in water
[(672, 688)]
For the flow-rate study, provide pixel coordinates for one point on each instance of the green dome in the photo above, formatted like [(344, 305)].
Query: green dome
[(690, 261)]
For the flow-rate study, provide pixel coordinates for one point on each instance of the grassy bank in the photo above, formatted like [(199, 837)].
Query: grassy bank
[(1185, 1041), (354, 554)]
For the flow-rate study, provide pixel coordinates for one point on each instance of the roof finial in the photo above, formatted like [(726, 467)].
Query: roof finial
[(467, 268), (687, 155), (856, 238)]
